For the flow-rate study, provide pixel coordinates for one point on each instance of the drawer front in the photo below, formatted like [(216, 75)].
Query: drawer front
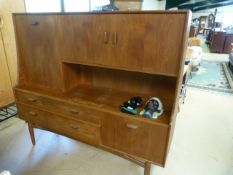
[(144, 140), (60, 107), (73, 128)]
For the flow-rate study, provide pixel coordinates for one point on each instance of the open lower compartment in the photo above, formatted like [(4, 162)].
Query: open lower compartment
[(107, 89)]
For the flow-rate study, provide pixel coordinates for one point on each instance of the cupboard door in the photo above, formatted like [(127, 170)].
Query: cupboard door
[(85, 38), (147, 42), (144, 140), (39, 50), (150, 43), (6, 93)]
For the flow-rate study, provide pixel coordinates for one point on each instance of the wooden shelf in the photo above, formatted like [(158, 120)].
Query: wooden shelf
[(105, 100), (109, 100), (118, 68)]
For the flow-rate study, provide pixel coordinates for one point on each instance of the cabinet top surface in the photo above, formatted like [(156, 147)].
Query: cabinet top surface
[(111, 12)]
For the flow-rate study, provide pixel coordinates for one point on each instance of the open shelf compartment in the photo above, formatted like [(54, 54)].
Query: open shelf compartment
[(106, 89), (109, 100)]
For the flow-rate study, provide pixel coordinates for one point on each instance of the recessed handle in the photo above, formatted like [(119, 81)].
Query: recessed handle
[(33, 113), (74, 126), (115, 38), (74, 111), (35, 23), (32, 99), (105, 37), (132, 126)]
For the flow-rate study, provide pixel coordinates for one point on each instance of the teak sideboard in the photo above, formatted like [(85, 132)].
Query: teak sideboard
[(76, 69)]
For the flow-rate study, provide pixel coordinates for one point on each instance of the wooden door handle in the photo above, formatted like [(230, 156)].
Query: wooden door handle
[(74, 126), (74, 111), (33, 113), (105, 37), (32, 99), (1, 21), (132, 126), (115, 38)]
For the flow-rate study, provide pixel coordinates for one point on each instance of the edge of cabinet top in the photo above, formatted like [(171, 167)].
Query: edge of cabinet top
[(110, 12)]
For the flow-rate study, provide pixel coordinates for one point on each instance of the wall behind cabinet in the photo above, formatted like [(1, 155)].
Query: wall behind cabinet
[(7, 7), (6, 93), (8, 55)]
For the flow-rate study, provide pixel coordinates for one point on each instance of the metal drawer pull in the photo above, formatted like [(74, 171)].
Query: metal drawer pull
[(32, 99), (74, 126), (33, 113), (35, 23), (74, 111), (105, 37), (132, 126)]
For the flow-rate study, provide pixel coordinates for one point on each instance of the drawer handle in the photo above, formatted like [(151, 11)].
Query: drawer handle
[(132, 126), (35, 23), (74, 111), (74, 126), (32, 99), (33, 113)]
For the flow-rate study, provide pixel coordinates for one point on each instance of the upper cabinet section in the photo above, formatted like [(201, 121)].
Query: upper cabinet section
[(144, 42), (148, 42)]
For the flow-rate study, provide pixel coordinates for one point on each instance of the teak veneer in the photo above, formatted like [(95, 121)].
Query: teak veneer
[(76, 69)]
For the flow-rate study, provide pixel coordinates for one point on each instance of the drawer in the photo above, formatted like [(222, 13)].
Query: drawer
[(142, 139), (59, 107), (78, 129)]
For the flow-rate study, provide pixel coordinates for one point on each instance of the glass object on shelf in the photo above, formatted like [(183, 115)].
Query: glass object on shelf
[(35, 6), (77, 5)]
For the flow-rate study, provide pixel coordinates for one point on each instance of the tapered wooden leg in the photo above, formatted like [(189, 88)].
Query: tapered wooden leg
[(147, 168), (31, 131)]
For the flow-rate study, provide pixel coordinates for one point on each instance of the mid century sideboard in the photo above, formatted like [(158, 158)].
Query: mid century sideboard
[(76, 69)]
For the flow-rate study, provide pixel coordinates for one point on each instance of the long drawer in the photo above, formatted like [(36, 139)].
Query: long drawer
[(57, 106), (78, 129)]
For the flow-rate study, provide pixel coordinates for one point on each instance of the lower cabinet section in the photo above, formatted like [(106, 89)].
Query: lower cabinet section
[(142, 139), (78, 129)]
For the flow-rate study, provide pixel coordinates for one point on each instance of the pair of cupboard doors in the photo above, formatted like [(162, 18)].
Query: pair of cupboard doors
[(121, 41)]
